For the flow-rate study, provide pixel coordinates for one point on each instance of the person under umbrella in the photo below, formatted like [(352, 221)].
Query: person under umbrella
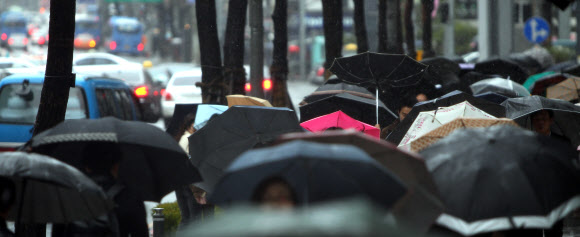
[(404, 110), (503, 178), (275, 192), (542, 122), (316, 172)]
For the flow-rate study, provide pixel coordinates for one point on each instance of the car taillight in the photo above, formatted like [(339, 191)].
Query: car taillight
[(140, 47), (25, 41), (248, 87), (167, 96), (92, 43), (156, 93), (10, 41), (4, 149), (4, 36), (141, 91), (113, 45), (267, 84), (77, 42), (41, 40), (320, 71)]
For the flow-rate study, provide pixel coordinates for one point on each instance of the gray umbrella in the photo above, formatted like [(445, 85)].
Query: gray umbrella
[(51, 191), (501, 86)]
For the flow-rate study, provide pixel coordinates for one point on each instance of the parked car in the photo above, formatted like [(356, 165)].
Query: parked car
[(9, 66), (107, 65), (92, 97), (181, 89)]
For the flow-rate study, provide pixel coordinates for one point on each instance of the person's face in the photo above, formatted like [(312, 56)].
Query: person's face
[(278, 195), (541, 122), (421, 97), (403, 112)]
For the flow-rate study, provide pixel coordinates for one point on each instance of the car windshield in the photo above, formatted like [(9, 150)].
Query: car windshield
[(22, 109), (86, 25), (128, 28), (186, 81)]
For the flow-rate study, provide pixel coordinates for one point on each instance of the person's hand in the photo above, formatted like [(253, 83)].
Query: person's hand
[(378, 126)]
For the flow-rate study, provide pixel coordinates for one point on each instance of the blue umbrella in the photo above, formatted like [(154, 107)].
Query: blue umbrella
[(205, 112), (316, 172)]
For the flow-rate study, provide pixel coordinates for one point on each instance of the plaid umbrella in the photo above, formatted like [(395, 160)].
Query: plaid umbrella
[(568, 89)]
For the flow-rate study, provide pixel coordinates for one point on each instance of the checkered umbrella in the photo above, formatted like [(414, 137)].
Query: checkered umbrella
[(568, 90)]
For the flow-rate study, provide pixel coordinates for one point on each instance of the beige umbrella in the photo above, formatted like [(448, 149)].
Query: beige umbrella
[(567, 90), (441, 132), (246, 100)]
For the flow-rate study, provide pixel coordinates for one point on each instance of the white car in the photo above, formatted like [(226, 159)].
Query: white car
[(181, 89), (88, 59), (9, 66), (18, 41)]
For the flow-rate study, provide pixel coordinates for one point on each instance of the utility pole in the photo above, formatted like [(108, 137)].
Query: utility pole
[(449, 42), (256, 48), (564, 23), (302, 41)]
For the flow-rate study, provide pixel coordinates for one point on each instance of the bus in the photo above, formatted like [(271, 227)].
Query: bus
[(127, 36), (87, 31), (13, 29)]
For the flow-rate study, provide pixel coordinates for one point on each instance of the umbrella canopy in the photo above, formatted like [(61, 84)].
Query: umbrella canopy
[(333, 88), (359, 108), (492, 97), (48, 190), (447, 100), (421, 206), (443, 73), (340, 120), (239, 129), (566, 114), (372, 70), (559, 67), (316, 173), (181, 110), (205, 112), (501, 178), (356, 217), (568, 90), (504, 67), (541, 85), (458, 123), (501, 86), (428, 121), (534, 60), (153, 163), (442, 65), (234, 100), (573, 70), (533, 78), (472, 77)]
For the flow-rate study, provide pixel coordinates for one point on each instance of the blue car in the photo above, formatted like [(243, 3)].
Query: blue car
[(92, 97)]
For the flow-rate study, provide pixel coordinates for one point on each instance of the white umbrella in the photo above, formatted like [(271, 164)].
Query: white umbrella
[(428, 121)]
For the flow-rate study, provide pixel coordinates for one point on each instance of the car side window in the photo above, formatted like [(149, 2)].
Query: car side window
[(126, 104), (107, 104), (86, 61), (5, 65), (101, 61)]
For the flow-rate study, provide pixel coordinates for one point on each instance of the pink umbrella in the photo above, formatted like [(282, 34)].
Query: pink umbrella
[(339, 120)]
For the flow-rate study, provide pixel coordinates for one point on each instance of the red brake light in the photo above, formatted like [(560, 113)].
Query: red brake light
[(156, 93), (4, 36), (113, 45), (25, 41), (140, 47), (248, 87), (267, 84), (10, 41), (142, 91), (167, 96), (320, 71), (41, 40)]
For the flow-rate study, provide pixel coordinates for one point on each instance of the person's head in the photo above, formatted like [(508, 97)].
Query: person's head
[(102, 158), (421, 97), (405, 107), (275, 192), (186, 125), (7, 196), (541, 121), (199, 194)]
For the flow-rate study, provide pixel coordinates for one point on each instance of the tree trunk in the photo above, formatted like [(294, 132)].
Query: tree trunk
[(394, 39), (382, 26), (257, 49), (546, 13), (332, 24), (279, 67), (234, 72), (58, 76), (212, 86), (360, 28), (427, 8), (409, 29)]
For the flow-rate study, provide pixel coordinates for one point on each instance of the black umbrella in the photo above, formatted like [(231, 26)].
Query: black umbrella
[(316, 173), (529, 63), (239, 129), (501, 86), (382, 72), (559, 67), (48, 190), (566, 114), (153, 163), (179, 113), (442, 65), (443, 76), (359, 108), (472, 77), (447, 100), (573, 70), (503, 177), (333, 88), (503, 67), (492, 97)]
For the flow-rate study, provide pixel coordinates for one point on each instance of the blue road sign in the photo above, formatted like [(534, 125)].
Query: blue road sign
[(536, 30)]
